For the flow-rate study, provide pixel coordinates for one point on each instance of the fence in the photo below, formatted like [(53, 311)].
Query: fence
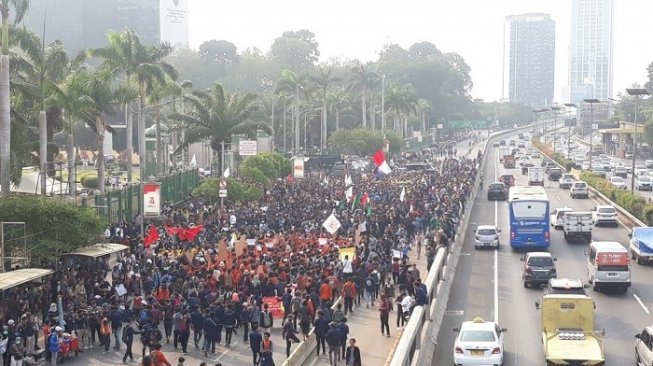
[(122, 204)]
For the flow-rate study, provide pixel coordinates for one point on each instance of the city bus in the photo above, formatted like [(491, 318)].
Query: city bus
[(528, 208)]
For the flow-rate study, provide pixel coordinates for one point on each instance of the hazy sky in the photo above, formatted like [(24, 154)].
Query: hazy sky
[(358, 29)]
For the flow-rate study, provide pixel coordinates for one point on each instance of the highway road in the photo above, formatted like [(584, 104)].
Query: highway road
[(488, 284)]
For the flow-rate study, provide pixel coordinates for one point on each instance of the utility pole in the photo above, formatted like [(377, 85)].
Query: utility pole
[(637, 92), (569, 106), (555, 110), (591, 102)]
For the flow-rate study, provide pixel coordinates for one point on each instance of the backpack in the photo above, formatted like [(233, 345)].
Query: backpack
[(267, 319), (349, 291), (368, 283), (144, 315), (125, 336)]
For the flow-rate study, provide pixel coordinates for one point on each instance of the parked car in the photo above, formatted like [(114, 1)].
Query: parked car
[(604, 215), (497, 192), (538, 268), (618, 182)]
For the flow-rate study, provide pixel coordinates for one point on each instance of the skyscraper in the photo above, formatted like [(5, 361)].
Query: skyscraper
[(82, 24), (590, 50), (529, 55)]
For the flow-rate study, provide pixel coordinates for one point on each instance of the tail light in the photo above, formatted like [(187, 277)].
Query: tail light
[(528, 270), (496, 350), (459, 350), (546, 236), (512, 235)]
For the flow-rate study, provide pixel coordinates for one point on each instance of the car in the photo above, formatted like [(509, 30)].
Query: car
[(566, 181), (565, 286), (521, 145), (579, 189), (507, 179), (502, 142), (600, 171), (648, 164), (535, 155), (644, 347), (512, 143), (555, 174), (618, 182), (525, 166), (620, 171), (495, 144), (643, 183), (556, 216), (585, 165), (497, 192), (487, 236), (478, 342), (538, 268), (604, 215), (641, 169)]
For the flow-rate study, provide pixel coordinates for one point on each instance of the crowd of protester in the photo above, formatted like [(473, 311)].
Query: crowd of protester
[(206, 276)]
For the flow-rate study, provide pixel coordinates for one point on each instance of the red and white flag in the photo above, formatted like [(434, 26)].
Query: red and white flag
[(379, 161)]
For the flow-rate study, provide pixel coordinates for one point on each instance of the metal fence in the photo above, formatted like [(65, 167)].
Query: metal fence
[(122, 204)]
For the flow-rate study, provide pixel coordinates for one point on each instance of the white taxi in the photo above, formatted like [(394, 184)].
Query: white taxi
[(479, 342)]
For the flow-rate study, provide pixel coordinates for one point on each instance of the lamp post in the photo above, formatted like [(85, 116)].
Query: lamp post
[(637, 92), (555, 110), (569, 107), (591, 102), (383, 104)]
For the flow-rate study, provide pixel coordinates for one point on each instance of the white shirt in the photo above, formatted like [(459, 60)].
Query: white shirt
[(347, 266), (406, 303)]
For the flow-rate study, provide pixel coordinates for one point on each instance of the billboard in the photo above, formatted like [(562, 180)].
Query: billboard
[(298, 168), (173, 18), (152, 199), (247, 147)]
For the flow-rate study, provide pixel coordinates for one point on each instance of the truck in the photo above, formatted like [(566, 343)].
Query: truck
[(508, 161), (503, 151), (567, 325), (536, 176), (577, 226), (641, 244)]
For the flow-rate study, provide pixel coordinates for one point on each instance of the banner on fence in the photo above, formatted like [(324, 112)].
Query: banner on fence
[(152, 199)]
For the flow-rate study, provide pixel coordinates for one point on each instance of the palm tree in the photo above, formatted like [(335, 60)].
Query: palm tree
[(337, 100), (323, 81), (363, 80), (20, 8), (291, 83), (401, 100), (217, 116)]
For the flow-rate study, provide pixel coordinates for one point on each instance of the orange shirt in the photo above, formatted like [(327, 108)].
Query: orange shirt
[(325, 291)]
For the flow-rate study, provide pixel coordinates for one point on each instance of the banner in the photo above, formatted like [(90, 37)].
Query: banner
[(152, 199), (298, 168), (350, 252), (275, 306), (331, 224), (247, 147)]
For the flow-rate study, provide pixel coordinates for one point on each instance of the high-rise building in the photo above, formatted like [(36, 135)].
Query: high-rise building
[(529, 59), (590, 50), (83, 24)]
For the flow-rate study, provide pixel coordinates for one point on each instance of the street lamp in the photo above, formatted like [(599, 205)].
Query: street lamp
[(591, 102), (637, 92), (569, 106), (555, 110), (383, 104)]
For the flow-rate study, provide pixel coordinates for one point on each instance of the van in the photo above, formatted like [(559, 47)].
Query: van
[(608, 266), (579, 189)]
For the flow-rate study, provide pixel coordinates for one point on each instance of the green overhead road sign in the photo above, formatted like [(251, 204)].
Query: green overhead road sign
[(467, 124)]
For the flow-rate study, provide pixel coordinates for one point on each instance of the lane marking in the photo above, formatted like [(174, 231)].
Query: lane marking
[(558, 197), (641, 304), (496, 286)]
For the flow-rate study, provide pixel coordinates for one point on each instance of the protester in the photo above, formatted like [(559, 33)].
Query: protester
[(255, 341), (266, 351), (353, 356)]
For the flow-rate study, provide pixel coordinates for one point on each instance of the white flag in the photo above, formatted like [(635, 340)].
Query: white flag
[(331, 224), (193, 161), (226, 173), (348, 180), (402, 195), (349, 194)]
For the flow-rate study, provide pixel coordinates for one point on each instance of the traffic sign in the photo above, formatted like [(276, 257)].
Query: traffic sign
[(222, 191), (467, 124)]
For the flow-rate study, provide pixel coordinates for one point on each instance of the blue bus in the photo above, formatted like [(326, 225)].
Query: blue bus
[(529, 217)]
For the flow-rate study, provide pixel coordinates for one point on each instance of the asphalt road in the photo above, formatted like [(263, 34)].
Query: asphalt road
[(488, 284)]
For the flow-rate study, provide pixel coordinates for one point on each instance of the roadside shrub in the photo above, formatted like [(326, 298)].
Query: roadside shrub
[(90, 182)]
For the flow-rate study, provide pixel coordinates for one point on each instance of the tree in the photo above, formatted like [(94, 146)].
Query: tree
[(401, 101), (20, 8), (363, 81), (323, 81), (297, 51), (363, 142), (293, 84), (218, 116), (220, 52)]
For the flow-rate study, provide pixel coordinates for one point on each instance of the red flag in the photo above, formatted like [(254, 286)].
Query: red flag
[(378, 157), (290, 178), (152, 236), (172, 231), (364, 199), (191, 233)]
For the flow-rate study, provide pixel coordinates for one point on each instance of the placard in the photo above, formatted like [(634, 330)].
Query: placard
[(152, 199), (298, 168), (322, 241), (222, 191)]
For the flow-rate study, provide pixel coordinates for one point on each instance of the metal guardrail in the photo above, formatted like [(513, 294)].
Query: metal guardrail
[(411, 349)]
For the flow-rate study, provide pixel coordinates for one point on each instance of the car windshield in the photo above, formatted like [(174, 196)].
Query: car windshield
[(540, 261), (617, 180), (644, 178), (477, 336), (495, 187), (606, 210), (486, 232)]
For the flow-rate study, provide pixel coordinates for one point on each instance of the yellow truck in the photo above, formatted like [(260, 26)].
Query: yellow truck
[(568, 334)]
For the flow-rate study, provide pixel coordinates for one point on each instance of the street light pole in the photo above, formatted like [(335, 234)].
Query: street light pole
[(637, 92), (555, 110), (383, 104), (569, 106), (591, 102)]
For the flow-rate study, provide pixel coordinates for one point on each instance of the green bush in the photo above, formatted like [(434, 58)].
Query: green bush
[(90, 182)]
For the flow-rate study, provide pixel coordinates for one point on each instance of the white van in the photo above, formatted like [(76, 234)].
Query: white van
[(608, 265)]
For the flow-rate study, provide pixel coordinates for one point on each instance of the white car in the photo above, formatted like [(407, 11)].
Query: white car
[(566, 181), (618, 182), (479, 342), (487, 236), (640, 169), (579, 189), (604, 214), (643, 183), (557, 216)]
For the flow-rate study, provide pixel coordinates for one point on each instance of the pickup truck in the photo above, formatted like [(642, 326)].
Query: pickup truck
[(577, 226), (641, 244), (535, 176), (568, 335)]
